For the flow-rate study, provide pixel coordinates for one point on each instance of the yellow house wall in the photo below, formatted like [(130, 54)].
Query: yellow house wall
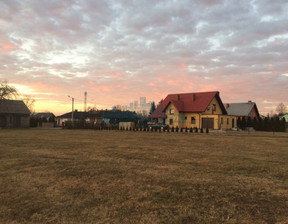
[(177, 117), (187, 122), (224, 125), (209, 111)]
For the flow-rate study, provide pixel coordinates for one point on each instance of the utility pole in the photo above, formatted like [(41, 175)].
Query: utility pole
[(72, 110), (85, 101)]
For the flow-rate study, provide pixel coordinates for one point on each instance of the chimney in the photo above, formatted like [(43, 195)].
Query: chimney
[(227, 105), (249, 101)]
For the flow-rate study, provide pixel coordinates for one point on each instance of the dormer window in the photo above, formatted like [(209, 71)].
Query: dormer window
[(171, 111), (214, 107)]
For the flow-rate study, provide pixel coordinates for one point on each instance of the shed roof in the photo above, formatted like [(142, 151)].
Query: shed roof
[(42, 115), (188, 102), (13, 107), (76, 115), (119, 114)]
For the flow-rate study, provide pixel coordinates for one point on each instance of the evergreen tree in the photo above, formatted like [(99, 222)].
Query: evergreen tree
[(249, 122), (244, 123), (272, 124), (153, 107), (277, 124), (266, 124), (255, 123), (239, 123), (283, 124)]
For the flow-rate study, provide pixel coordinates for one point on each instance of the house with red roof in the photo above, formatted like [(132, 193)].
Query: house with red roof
[(201, 110)]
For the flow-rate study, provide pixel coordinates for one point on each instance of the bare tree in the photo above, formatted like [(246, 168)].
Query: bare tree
[(29, 102), (281, 109), (7, 92)]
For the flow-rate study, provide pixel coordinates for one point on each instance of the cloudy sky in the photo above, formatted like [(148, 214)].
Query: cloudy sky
[(119, 50)]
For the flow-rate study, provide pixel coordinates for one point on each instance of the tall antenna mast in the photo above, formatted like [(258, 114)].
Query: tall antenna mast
[(85, 100)]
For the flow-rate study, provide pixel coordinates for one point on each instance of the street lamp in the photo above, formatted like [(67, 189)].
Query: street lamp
[(72, 110)]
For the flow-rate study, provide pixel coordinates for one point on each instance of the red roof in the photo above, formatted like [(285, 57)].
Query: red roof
[(188, 102)]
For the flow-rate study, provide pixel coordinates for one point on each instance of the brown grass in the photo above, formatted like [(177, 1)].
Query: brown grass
[(85, 176)]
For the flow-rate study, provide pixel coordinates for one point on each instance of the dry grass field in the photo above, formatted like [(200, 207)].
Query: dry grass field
[(86, 176)]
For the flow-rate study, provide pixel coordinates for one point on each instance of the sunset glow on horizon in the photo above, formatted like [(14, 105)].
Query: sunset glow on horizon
[(118, 51)]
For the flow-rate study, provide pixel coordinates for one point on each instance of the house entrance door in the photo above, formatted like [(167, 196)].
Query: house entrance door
[(208, 123)]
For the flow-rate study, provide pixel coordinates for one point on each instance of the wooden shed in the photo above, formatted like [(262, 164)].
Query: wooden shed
[(14, 114)]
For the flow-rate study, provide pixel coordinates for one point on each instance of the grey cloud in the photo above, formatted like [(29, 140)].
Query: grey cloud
[(147, 42)]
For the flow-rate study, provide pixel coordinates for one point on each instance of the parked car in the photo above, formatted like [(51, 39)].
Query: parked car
[(159, 126)]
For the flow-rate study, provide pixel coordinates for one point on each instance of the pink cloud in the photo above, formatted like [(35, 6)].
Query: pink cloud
[(6, 47)]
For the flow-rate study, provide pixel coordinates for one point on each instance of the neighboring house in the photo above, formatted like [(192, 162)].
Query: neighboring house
[(116, 116), (14, 114), (77, 117), (47, 117), (45, 120), (97, 117), (201, 110), (241, 110)]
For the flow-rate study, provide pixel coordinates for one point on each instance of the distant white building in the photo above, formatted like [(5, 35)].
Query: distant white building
[(142, 108), (135, 105), (142, 101)]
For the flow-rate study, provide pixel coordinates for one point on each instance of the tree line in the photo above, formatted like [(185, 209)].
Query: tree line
[(263, 124)]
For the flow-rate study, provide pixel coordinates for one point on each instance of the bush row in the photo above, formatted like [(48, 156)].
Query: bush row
[(150, 129)]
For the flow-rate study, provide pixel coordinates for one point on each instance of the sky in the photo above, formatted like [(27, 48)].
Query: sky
[(120, 50)]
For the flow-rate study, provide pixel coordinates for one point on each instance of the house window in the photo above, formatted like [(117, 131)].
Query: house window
[(171, 111), (221, 120), (171, 121), (185, 118), (227, 120), (214, 107), (193, 120)]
